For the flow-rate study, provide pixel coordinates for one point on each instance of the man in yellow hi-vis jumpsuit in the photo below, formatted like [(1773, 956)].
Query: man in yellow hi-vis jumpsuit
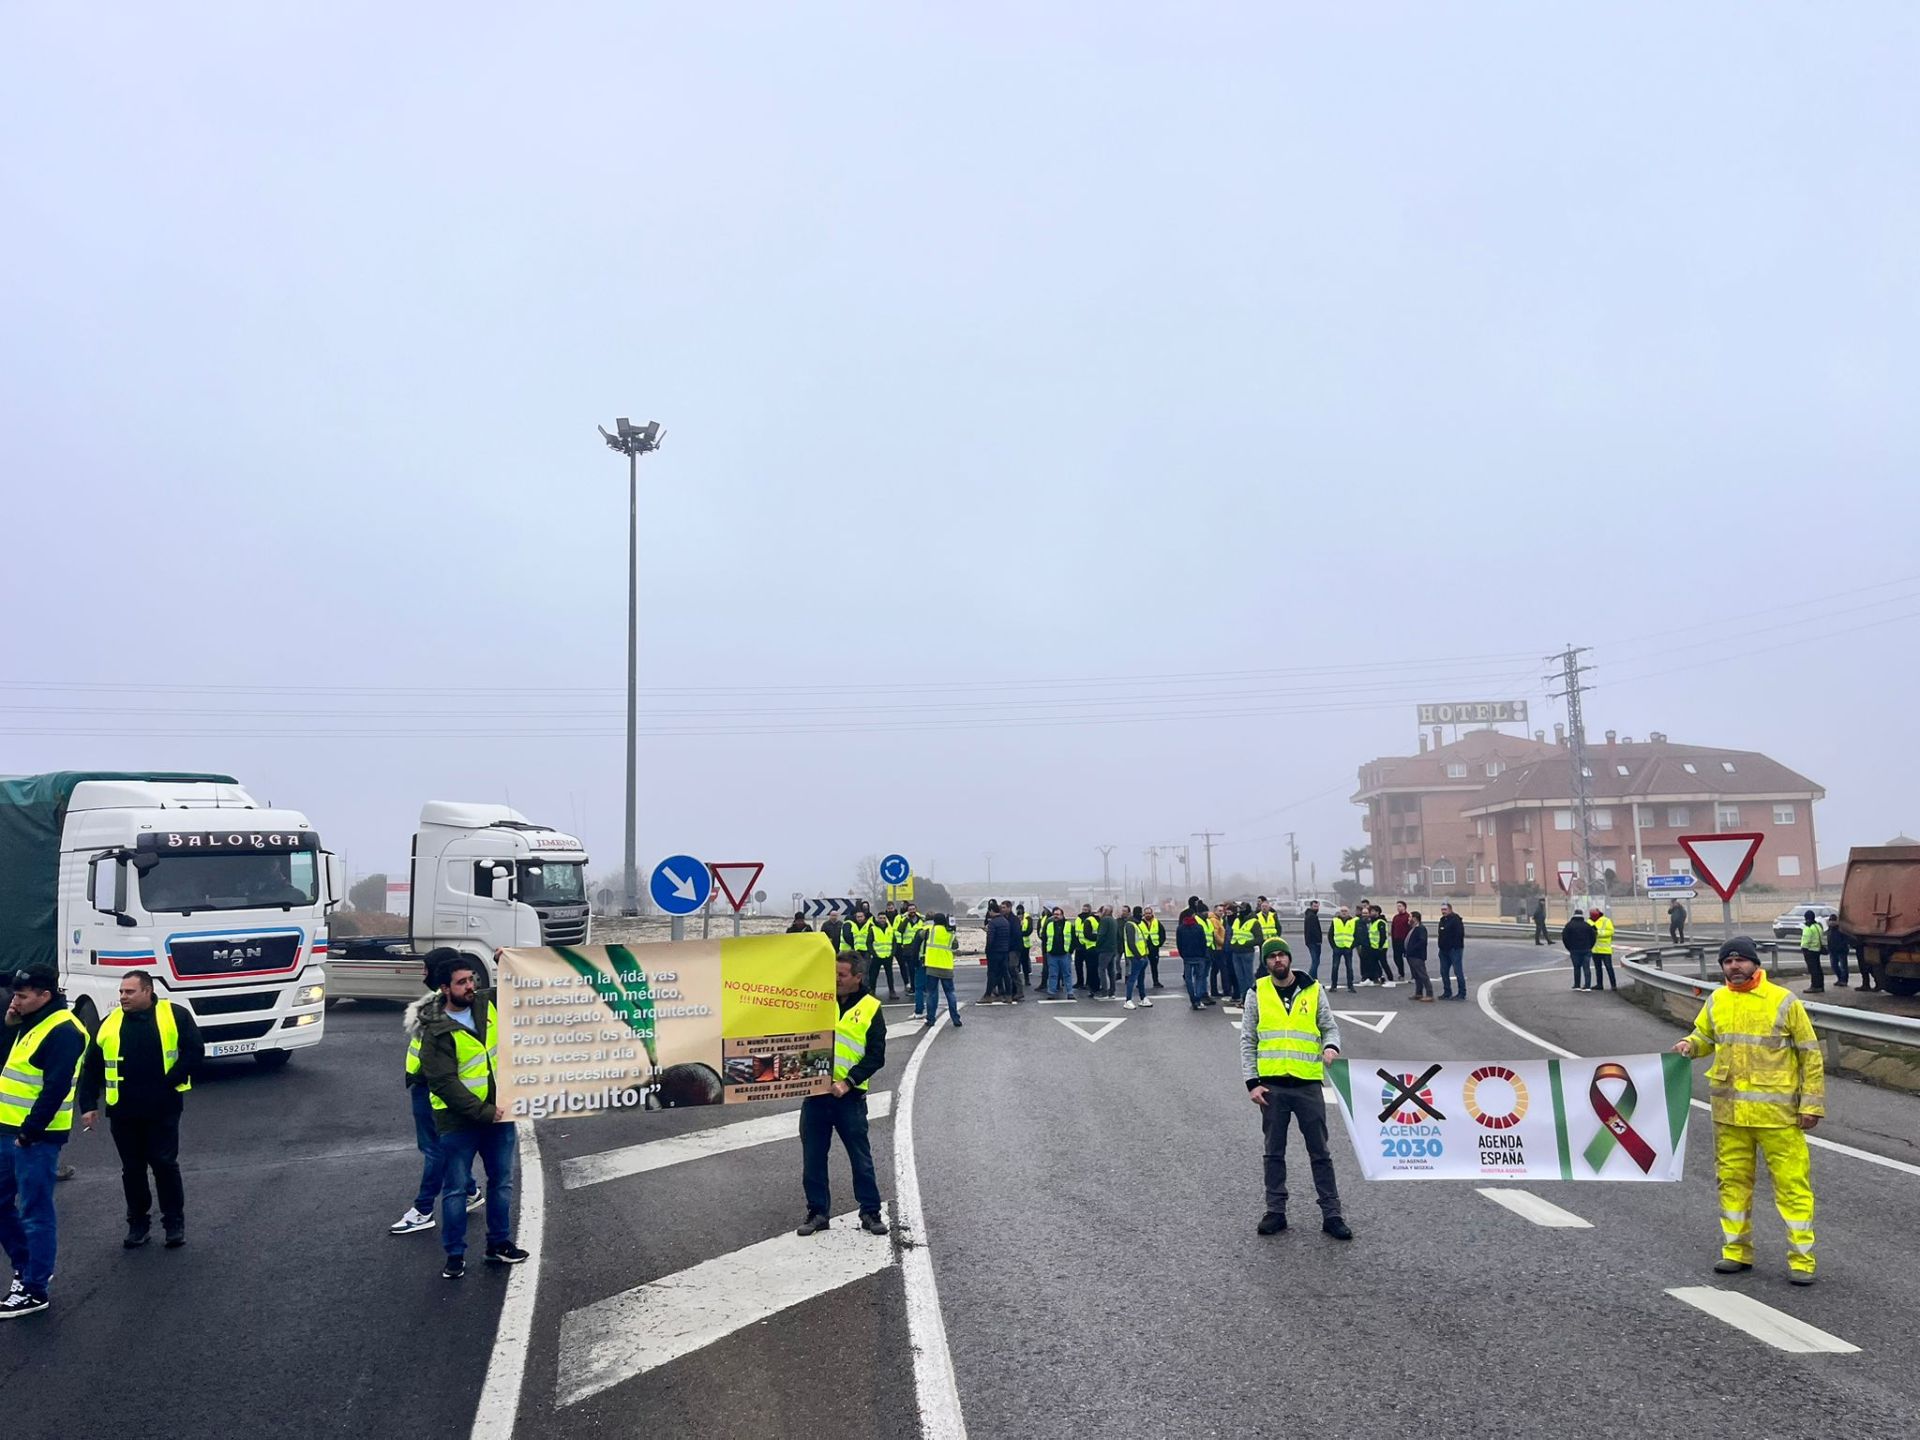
[(1768, 1087)]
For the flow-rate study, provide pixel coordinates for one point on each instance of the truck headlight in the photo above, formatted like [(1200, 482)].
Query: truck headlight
[(300, 1020), (309, 994)]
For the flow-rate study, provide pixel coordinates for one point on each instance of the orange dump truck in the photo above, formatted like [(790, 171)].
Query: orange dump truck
[(1880, 912)]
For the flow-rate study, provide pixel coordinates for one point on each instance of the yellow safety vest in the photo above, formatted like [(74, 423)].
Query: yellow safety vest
[(1245, 933), (860, 934), (22, 1079), (1377, 934), (939, 956), (1269, 923), (1156, 932), (1343, 933), (883, 939), (109, 1042), (1767, 1068), (1137, 944), (1089, 931), (1603, 935), (1812, 937), (1289, 1039), (1026, 930), (474, 1056), (850, 1037)]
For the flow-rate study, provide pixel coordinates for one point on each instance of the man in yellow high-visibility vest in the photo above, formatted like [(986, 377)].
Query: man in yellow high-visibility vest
[(1287, 1036), (142, 1063), (41, 1048), (859, 1049), (1767, 1085)]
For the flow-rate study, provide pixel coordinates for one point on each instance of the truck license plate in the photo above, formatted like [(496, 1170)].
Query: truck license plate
[(233, 1047)]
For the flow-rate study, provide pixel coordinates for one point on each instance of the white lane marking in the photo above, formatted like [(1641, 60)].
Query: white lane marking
[(1486, 1004), (643, 1328), (1093, 1030), (1374, 1020), (507, 1367), (617, 1164), (905, 1027), (1531, 1207), (933, 1382), (1057, 1002), (1763, 1322)]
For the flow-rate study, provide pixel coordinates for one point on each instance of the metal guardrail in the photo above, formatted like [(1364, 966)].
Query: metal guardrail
[(1831, 1019)]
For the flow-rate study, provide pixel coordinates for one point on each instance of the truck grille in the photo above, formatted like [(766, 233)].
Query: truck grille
[(563, 927), (246, 1030), (234, 954), (233, 1004)]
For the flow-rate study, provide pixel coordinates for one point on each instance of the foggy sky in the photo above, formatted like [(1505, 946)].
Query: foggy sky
[(1193, 351)]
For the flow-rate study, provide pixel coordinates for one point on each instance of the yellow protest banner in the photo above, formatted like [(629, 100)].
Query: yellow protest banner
[(594, 1028)]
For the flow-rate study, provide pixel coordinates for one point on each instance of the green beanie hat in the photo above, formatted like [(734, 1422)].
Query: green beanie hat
[(1276, 947)]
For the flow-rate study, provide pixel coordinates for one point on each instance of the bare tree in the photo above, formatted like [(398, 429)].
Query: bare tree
[(867, 884)]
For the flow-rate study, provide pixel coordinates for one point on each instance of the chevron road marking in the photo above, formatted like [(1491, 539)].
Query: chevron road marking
[(584, 1170)]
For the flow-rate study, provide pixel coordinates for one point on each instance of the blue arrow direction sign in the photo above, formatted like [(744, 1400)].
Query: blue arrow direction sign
[(1671, 882), (680, 885), (895, 870)]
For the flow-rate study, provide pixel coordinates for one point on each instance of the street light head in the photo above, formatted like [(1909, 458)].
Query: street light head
[(624, 426), (650, 436)]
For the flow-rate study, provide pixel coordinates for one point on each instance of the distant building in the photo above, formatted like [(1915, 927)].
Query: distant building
[(1511, 817)]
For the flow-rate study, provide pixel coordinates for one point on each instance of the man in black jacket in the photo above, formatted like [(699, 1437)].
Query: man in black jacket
[(41, 1046), (1540, 921), (1312, 934), (1578, 936), (143, 1060), (1453, 948), (859, 1050)]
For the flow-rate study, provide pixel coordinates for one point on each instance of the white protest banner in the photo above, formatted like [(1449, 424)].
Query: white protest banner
[(1603, 1118)]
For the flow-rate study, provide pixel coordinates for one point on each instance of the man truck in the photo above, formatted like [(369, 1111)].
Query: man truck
[(222, 900), (485, 878), (1880, 913)]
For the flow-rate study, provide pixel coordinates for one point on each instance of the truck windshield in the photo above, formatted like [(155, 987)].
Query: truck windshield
[(184, 883), (551, 882)]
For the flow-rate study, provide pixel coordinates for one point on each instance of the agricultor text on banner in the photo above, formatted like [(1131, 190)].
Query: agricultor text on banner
[(1605, 1118), (592, 1028)]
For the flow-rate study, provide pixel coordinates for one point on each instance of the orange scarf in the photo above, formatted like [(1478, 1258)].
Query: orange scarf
[(1758, 976)]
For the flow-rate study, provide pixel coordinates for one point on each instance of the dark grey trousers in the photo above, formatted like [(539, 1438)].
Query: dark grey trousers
[(1285, 1104)]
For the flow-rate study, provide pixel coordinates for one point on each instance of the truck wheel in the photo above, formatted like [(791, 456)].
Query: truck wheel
[(272, 1059), (1904, 985)]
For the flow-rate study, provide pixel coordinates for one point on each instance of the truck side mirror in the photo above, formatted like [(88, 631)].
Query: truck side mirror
[(336, 881), (107, 886)]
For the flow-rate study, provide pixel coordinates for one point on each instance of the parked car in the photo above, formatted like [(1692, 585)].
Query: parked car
[(1789, 925)]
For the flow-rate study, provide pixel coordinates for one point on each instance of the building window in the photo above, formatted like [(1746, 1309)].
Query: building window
[(1526, 824), (1727, 765), (1599, 869), (1587, 771), (1529, 872), (1789, 866), (1687, 765), (1442, 873), (1621, 770), (1682, 866), (1677, 816), (1563, 819), (1456, 771), (1493, 874), (1729, 814), (1646, 819), (1783, 814), (1493, 768), (1602, 819)]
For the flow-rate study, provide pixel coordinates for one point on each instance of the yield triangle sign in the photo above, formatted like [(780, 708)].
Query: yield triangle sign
[(736, 879), (1092, 1030), (1374, 1020), (1723, 861)]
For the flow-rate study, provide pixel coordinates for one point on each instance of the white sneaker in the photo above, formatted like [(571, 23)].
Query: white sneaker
[(476, 1200), (1130, 1005), (1145, 1003), (410, 1223)]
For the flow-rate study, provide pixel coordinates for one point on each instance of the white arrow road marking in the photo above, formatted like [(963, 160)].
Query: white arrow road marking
[(1374, 1020), (681, 888), (646, 1327), (694, 1145), (1093, 1030), (1529, 1206), (1763, 1322)]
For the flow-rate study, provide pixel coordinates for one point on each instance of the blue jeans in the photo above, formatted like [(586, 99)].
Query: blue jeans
[(494, 1144), (1059, 974), (1137, 978), (821, 1118), (1341, 956), (27, 1230), (932, 982), (1450, 964), (1196, 973), (1242, 973), (433, 1162), (1313, 949), (1580, 961)]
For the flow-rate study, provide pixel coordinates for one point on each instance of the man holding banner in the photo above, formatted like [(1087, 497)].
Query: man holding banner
[(859, 1049), (1768, 1087), (1286, 1037)]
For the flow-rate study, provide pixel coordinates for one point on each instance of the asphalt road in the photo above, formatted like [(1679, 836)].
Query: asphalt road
[(1089, 1208)]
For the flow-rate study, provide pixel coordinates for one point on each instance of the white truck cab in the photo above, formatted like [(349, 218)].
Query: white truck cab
[(223, 900), (486, 878)]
